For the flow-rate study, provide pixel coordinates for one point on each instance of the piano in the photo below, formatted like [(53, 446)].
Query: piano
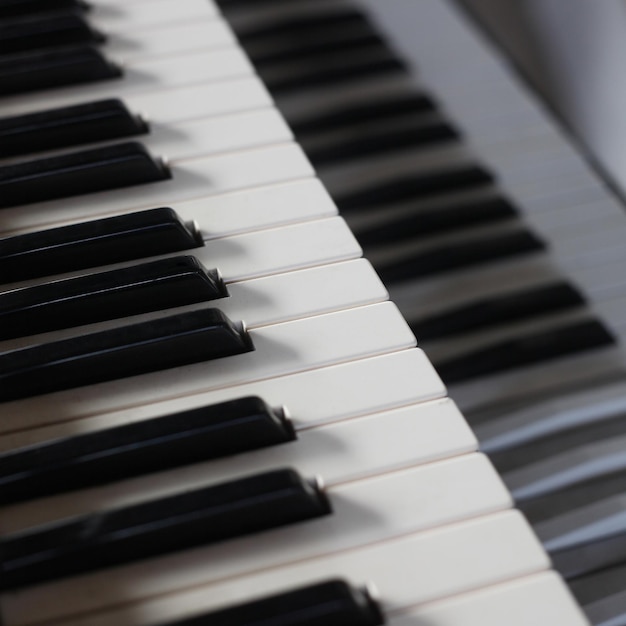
[(275, 142)]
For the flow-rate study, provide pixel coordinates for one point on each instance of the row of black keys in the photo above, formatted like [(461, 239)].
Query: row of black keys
[(174, 523), (552, 297), (349, 31)]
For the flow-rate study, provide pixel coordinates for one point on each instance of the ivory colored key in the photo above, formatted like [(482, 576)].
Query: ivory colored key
[(332, 603), (350, 389), (344, 452), (191, 179), (261, 301), (409, 570), (211, 135), (281, 349), (141, 77)]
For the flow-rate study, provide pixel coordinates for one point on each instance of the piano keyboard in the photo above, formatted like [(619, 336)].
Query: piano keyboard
[(397, 497)]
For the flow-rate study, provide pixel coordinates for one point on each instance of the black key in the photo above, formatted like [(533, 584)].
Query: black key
[(190, 519), (346, 117), (68, 126), (458, 255), (308, 52), (332, 603), (90, 244), (127, 351), (154, 445), (294, 28), (560, 442), (436, 221), (577, 495), (56, 30), (498, 310), (111, 167), (599, 585), (337, 69), (526, 350), (379, 141), (587, 558), (14, 8), (55, 68), (154, 286), (415, 187)]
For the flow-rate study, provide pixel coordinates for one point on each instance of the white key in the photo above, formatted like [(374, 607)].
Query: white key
[(530, 601), (268, 300), (145, 14), (411, 570), (191, 179), (140, 77), (195, 101), (130, 42), (322, 396), (365, 512), (209, 136), (280, 349), (344, 452)]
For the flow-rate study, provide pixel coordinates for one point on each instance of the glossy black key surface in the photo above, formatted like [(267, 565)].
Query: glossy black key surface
[(144, 288), (423, 185), (426, 223), (368, 111), (153, 445), (378, 141), (111, 167), (50, 31), (90, 244), (498, 310), (526, 350), (193, 518), (14, 8), (458, 255), (68, 126), (332, 603), (54, 68), (126, 351)]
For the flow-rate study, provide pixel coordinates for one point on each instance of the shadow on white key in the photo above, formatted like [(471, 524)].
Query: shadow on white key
[(366, 513), (344, 452), (281, 349), (323, 396), (191, 179), (409, 570), (201, 137), (146, 76), (271, 299)]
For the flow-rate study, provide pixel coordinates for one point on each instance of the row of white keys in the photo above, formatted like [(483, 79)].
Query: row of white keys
[(407, 570), (367, 512), (281, 349), (348, 451), (349, 390), (267, 300), (208, 136), (145, 76), (191, 179)]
